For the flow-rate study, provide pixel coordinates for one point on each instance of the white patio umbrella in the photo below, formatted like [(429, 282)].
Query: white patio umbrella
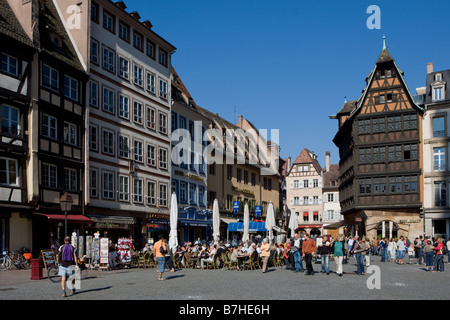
[(246, 223), (293, 223), (270, 221), (216, 222), (173, 237)]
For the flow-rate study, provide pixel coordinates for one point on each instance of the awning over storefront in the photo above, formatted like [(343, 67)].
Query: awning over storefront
[(253, 226), (335, 225), (74, 218)]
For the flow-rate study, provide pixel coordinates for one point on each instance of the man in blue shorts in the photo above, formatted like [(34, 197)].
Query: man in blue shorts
[(67, 259)]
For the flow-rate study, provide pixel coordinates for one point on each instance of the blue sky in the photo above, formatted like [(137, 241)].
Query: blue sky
[(288, 65)]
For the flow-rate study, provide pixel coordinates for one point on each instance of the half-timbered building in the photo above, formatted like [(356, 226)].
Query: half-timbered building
[(379, 141)]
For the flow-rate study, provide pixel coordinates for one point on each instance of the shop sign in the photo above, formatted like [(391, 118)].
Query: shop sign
[(410, 221)]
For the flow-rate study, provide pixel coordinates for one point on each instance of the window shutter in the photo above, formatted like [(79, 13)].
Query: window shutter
[(320, 200)]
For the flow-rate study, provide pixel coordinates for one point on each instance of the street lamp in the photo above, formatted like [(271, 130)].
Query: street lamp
[(66, 205)]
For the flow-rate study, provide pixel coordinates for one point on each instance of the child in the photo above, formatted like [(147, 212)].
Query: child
[(410, 253)]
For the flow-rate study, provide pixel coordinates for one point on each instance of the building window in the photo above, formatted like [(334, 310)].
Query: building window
[(305, 216), (70, 88), (138, 151), (93, 183), (151, 193), (183, 192), (201, 196), (137, 112), (440, 194), (124, 188), (150, 49), (123, 146), (94, 12), (70, 179), (163, 57), (124, 106), (109, 59), (162, 123), (49, 176), (438, 127), (162, 158), (108, 185), (410, 184), (70, 133), (93, 93), (296, 201), (138, 190), (150, 121), (151, 155), (305, 200), (438, 93), (93, 137), (163, 88), (10, 120), (94, 52), (9, 172), (439, 159), (315, 183), (50, 78), (379, 185), (49, 125), (163, 195), (124, 32), (108, 21), (9, 65), (192, 193), (108, 141), (138, 77), (108, 100), (330, 197), (124, 68), (137, 41), (151, 82)]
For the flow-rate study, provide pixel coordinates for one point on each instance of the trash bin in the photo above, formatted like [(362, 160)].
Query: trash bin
[(36, 269)]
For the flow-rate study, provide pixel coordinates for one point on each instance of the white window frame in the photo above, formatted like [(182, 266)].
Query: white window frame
[(138, 109), (53, 77), (124, 68), (150, 82), (70, 88), (93, 137), (124, 106), (94, 52), (150, 119), (138, 150), (124, 146), (163, 88), (162, 194), (124, 188), (10, 123), (51, 175), (7, 171), (70, 179), (93, 182), (151, 155), (138, 75), (162, 157), (109, 59), (109, 102), (49, 126), (151, 192), (108, 141), (108, 185), (10, 66), (93, 93), (138, 190), (162, 122), (70, 133)]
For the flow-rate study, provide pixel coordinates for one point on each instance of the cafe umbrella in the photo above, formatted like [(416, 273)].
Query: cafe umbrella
[(270, 221), (246, 223), (293, 223), (173, 238), (216, 222)]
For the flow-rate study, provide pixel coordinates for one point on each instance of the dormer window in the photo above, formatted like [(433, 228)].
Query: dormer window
[(438, 88)]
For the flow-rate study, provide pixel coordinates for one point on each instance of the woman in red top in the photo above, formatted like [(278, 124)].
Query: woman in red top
[(438, 264)]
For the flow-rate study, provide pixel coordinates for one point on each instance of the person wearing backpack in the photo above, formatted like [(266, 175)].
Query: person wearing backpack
[(67, 258)]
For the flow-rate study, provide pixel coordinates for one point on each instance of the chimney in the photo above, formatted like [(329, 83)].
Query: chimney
[(240, 121), (327, 161), (429, 67), (288, 164)]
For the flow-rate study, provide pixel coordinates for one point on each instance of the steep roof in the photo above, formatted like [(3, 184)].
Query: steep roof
[(51, 27), (10, 26), (306, 157)]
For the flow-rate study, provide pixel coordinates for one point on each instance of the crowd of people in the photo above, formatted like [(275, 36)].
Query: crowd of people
[(302, 251)]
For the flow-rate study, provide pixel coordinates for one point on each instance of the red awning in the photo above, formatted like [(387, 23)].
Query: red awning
[(76, 218), (305, 214), (315, 213)]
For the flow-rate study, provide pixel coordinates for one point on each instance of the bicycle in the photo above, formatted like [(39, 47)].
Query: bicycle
[(22, 260)]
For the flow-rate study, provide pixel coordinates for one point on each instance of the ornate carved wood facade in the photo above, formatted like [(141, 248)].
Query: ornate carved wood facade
[(379, 141)]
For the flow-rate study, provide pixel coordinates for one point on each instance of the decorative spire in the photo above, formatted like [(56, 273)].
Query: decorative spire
[(384, 42)]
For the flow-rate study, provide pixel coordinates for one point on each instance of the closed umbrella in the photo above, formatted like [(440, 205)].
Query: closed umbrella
[(246, 223), (293, 223), (270, 221), (173, 237), (216, 222)]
